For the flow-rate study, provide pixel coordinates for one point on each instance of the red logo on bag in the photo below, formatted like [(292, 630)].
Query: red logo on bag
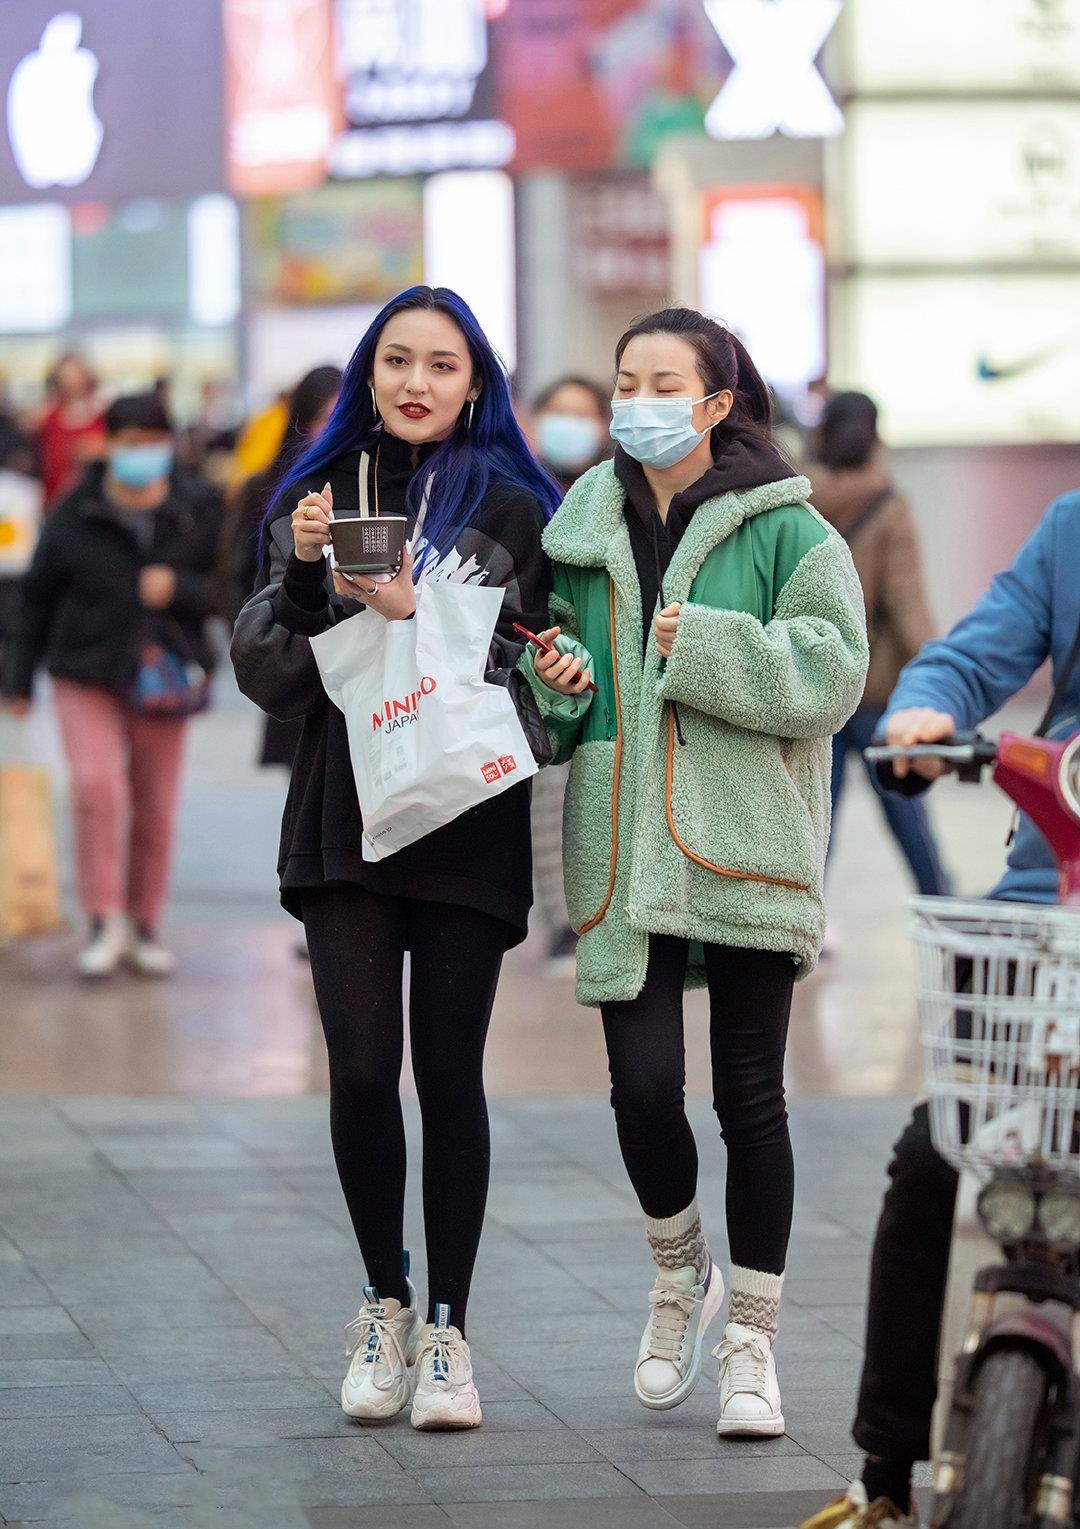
[(507, 764), (395, 711), (490, 772)]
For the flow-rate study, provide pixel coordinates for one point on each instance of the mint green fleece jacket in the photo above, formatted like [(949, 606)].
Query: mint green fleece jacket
[(720, 839)]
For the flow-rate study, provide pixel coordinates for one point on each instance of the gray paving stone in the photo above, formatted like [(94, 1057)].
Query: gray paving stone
[(20, 1320), (418, 1452), (98, 1317), (733, 1473), (200, 1353), (36, 1449), (572, 1513), (531, 1483), (53, 1372), (629, 1444), (232, 1429), (416, 1517), (156, 1394), (104, 1400), (745, 1510), (46, 1345)]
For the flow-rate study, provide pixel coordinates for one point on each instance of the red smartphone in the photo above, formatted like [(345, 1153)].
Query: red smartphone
[(546, 647)]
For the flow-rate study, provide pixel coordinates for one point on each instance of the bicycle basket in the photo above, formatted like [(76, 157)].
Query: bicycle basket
[(999, 1005)]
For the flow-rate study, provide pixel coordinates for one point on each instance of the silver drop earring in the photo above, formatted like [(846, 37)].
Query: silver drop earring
[(472, 410), (374, 405)]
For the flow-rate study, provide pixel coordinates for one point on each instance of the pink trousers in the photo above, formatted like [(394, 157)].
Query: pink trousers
[(125, 781)]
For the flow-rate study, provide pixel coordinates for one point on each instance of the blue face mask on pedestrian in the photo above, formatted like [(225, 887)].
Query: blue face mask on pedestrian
[(136, 466), (568, 442), (657, 432)]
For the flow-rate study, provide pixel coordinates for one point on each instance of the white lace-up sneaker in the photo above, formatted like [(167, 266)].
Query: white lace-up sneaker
[(149, 957), (853, 1511), (380, 1343), (107, 947), (749, 1392), (446, 1394), (669, 1359)]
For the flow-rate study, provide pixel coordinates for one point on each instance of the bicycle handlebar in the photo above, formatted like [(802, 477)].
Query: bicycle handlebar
[(968, 753)]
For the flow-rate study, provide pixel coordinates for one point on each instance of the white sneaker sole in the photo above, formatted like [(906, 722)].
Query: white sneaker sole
[(435, 1419), (714, 1299), (744, 1428), (376, 1412)]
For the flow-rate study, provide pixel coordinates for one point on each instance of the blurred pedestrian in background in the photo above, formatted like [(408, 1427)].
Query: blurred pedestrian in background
[(570, 425), (20, 514), (115, 605), (310, 408), (71, 429), (854, 493)]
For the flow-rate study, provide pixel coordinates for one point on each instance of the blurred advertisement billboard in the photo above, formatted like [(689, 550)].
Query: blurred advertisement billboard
[(956, 183), (115, 100), (923, 47)]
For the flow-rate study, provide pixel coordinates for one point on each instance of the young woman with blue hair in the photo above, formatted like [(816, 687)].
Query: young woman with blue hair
[(424, 415)]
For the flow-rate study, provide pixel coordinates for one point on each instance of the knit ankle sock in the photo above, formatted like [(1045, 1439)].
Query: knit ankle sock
[(676, 1241), (755, 1299), (889, 1478)]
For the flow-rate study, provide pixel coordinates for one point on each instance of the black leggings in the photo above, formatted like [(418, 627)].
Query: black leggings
[(749, 1000), (357, 942)]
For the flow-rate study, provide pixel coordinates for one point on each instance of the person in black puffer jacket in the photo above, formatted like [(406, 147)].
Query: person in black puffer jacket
[(115, 607)]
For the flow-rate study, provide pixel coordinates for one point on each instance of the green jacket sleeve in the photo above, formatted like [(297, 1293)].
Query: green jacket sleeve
[(798, 676), (562, 714)]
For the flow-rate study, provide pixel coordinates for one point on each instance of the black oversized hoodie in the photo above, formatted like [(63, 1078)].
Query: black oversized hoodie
[(741, 460), (483, 859)]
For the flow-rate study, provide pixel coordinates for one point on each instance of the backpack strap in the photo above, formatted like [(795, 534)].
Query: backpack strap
[(866, 515)]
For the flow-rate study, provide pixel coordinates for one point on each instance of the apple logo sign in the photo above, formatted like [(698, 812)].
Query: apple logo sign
[(55, 133)]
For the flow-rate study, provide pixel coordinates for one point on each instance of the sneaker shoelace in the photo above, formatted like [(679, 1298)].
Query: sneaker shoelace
[(441, 1358), (744, 1363), (371, 1329), (672, 1308)]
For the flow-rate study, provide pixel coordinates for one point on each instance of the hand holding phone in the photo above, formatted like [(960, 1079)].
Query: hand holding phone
[(560, 672)]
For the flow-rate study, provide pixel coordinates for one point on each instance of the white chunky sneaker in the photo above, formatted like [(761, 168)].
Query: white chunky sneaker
[(149, 957), (380, 1342), (107, 947), (669, 1359), (853, 1511), (446, 1394), (749, 1392)]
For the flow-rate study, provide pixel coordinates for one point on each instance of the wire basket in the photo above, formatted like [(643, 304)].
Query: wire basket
[(999, 1004)]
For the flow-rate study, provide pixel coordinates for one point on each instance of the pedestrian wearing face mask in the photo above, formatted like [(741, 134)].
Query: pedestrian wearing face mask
[(114, 606), (724, 628), (571, 418)]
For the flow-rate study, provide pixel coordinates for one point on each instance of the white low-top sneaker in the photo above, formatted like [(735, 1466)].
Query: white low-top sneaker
[(149, 957), (446, 1394), (669, 1359), (749, 1391), (107, 947), (380, 1343)]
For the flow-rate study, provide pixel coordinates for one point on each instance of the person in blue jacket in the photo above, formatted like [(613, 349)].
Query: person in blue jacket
[(1030, 613)]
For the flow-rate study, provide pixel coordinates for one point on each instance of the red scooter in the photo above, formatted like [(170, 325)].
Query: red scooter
[(999, 1004)]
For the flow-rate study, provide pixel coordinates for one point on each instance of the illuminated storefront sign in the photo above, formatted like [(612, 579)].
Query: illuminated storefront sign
[(929, 46), (762, 272), (284, 100), (109, 100), (961, 183), (775, 85), (964, 359), (419, 88)]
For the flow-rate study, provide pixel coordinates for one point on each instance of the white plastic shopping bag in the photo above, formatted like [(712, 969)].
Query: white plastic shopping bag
[(428, 737)]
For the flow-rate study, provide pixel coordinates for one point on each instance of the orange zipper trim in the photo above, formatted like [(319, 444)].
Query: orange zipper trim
[(720, 870), (616, 777)]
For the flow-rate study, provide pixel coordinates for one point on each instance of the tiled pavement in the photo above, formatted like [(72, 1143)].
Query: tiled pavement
[(174, 1277)]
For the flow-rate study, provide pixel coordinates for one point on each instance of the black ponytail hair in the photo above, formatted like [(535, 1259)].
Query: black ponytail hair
[(846, 436), (723, 362)]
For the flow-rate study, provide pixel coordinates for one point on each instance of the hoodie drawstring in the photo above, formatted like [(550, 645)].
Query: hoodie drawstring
[(662, 603)]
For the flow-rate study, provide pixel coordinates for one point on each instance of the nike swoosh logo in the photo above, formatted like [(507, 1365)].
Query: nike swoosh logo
[(987, 371)]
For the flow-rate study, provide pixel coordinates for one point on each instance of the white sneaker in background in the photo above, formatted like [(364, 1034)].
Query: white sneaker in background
[(149, 957), (669, 1359), (446, 1394), (749, 1390), (108, 945), (380, 1342)]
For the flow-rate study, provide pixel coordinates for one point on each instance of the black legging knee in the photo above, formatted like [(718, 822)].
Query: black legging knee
[(357, 943), (750, 1001)]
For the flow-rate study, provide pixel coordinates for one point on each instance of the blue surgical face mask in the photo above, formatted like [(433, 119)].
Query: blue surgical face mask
[(568, 441), (136, 466), (657, 432)]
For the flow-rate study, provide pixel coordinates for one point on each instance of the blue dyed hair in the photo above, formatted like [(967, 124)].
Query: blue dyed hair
[(491, 449)]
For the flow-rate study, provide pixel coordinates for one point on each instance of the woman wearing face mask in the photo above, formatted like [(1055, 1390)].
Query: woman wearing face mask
[(115, 605), (423, 426), (728, 642), (571, 423)]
